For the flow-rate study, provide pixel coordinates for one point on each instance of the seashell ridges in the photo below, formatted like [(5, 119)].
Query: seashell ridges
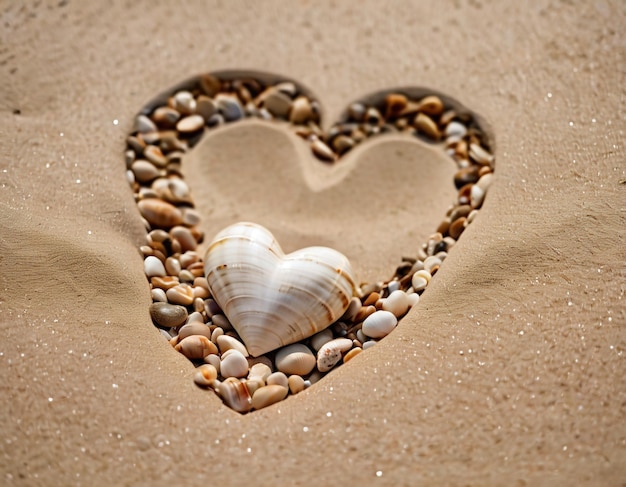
[(273, 299)]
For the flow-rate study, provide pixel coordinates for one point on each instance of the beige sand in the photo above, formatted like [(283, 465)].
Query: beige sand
[(510, 371)]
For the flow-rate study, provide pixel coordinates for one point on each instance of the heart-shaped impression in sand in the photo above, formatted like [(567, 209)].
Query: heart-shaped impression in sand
[(260, 324)]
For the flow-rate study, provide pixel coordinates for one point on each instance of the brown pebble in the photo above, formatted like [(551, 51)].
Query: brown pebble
[(205, 107), (395, 103), (181, 294), (342, 144), (321, 150), (431, 105), (184, 237), (165, 283), (210, 84), (465, 176), (371, 299), (427, 125), (194, 328), (160, 213), (351, 354), (155, 156), (457, 227), (301, 111), (168, 315), (277, 103)]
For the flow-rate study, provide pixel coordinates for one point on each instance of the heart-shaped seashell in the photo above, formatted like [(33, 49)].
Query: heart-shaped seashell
[(273, 299)]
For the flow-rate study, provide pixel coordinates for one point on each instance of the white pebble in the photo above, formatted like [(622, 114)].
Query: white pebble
[(153, 266), (379, 324), (234, 364)]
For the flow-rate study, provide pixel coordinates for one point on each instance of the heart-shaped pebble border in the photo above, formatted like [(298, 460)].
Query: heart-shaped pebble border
[(183, 308)]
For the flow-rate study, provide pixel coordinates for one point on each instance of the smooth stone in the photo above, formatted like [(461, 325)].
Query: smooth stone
[(144, 125), (277, 378), (160, 213), (226, 342), (180, 294), (260, 371), (480, 155), (168, 315), (330, 353), (379, 324), (351, 354), (431, 105), (184, 237), (158, 295), (229, 107), (321, 150), (301, 111), (144, 171), (152, 266), (184, 102), (397, 303), (296, 384), (172, 266), (268, 395), (296, 359), (234, 364), (166, 116), (277, 103), (205, 107), (190, 124), (194, 328)]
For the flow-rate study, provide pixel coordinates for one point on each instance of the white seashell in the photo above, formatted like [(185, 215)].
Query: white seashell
[(397, 302), (235, 395), (234, 364), (295, 359), (268, 395), (379, 324), (273, 299), (331, 353), (226, 342)]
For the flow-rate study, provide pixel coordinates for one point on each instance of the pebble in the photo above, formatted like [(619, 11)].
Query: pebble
[(379, 324), (321, 150), (144, 125), (427, 125), (457, 227), (165, 116), (296, 359), (278, 378), (331, 353), (431, 105), (397, 303), (268, 395), (184, 237), (351, 354), (226, 342), (323, 337), (296, 384), (152, 267), (180, 294), (301, 111), (229, 107), (194, 328), (233, 364), (160, 213), (260, 370), (168, 315), (158, 295), (144, 171), (277, 103), (205, 107), (184, 102), (190, 124)]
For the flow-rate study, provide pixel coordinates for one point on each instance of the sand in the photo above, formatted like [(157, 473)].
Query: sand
[(509, 372)]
